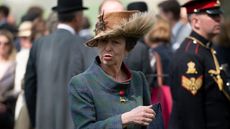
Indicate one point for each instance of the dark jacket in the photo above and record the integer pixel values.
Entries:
(165, 53)
(138, 60)
(197, 101)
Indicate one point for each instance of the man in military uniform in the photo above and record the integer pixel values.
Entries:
(197, 81)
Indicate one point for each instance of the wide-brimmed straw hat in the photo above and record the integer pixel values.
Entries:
(131, 24)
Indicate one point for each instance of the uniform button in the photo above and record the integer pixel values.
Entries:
(228, 84)
(214, 52)
(122, 93)
(194, 41)
(221, 68)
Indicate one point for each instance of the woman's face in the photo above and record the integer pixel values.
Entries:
(4, 46)
(112, 50)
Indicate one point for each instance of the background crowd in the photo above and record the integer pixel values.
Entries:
(37, 48)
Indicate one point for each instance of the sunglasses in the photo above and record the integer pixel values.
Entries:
(4, 43)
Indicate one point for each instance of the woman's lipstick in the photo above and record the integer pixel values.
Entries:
(107, 57)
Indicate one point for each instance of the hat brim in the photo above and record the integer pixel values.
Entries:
(107, 34)
(25, 34)
(61, 10)
(136, 27)
(214, 11)
(112, 33)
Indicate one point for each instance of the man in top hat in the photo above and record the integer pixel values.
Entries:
(53, 60)
(200, 100)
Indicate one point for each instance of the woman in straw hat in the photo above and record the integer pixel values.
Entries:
(108, 95)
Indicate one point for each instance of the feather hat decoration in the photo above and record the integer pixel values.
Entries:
(132, 24)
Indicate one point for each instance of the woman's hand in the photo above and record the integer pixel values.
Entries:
(142, 115)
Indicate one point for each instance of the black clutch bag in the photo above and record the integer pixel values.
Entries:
(157, 123)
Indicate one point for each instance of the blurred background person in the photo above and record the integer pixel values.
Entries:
(39, 29)
(138, 5)
(7, 75)
(86, 32)
(35, 15)
(4, 25)
(107, 6)
(33, 12)
(11, 20)
(53, 60)
(158, 40)
(170, 11)
(25, 37)
(52, 22)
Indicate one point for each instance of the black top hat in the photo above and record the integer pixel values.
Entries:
(65, 6)
(141, 6)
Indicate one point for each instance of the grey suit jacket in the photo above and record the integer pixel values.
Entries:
(53, 60)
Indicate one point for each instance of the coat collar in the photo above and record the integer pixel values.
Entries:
(66, 27)
(105, 80)
(200, 38)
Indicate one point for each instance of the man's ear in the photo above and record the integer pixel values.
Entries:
(195, 21)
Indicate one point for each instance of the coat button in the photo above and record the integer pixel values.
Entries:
(122, 93)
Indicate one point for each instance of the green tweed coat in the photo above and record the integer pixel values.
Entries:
(95, 100)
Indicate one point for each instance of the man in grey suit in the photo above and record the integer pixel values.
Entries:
(53, 60)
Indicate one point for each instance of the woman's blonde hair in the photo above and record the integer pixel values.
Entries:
(160, 32)
(10, 37)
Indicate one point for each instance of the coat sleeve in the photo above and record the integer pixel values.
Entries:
(31, 85)
(187, 87)
(83, 109)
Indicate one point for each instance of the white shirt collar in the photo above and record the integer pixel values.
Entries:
(66, 27)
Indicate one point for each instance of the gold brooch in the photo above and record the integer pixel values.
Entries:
(122, 96)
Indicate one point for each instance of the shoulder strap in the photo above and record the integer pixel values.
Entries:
(159, 70)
